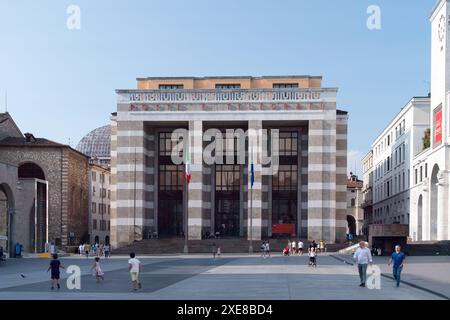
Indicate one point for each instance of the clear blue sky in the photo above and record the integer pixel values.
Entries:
(61, 83)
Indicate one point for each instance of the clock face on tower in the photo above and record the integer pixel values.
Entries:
(441, 28)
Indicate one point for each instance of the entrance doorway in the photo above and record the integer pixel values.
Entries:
(227, 200)
(170, 214)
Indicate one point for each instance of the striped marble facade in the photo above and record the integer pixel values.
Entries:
(322, 162)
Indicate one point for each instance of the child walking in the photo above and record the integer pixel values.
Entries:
(98, 273)
(55, 265)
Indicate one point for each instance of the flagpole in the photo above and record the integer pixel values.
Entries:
(250, 249)
(186, 216)
(186, 249)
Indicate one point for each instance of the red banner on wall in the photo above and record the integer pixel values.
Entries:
(283, 229)
(438, 127)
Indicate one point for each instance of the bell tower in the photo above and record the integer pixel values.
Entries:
(440, 73)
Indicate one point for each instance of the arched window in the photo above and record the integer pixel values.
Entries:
(31, 170)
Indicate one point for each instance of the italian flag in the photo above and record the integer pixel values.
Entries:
(187, 164)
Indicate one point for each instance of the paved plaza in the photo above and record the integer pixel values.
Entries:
(231, 277)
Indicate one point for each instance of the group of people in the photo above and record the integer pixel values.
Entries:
(265, 249)
(293, 248)
(134, 267)
(363, 258)
(99, 250)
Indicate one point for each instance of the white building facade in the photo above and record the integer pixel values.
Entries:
(430, 192)
(393, 152)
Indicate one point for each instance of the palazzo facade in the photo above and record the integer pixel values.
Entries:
(305, 196)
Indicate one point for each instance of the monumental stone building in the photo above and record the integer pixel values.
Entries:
(43, 189)
(299, 181)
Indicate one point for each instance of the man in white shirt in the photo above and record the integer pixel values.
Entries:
(300, 247)
(362, 257)
(134, 266)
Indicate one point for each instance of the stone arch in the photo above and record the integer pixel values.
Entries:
(351, 223)
(434, 199)
(419, 217)
(7, 207)
(31, 169)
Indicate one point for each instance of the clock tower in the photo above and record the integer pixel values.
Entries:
(440, 73)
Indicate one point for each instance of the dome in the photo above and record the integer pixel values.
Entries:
(97, 143)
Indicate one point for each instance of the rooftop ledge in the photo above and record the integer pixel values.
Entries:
(227, 95)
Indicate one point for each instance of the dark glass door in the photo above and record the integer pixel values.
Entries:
(227, 214)
(170, 214)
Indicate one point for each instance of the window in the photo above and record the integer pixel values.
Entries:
(94, 224)
(227, 177)
(93, 191)
(288, 143)
(94, 176)
(102, 178)
(109, 194)
(389, 140)
(352, 202)
(166, 145)
(415, 176)
(426, 170)
(285, 85)
(171, 177)
(109, 225)
(170, 86)
(421, 174)
(109, 209)
(228, 86)
(285, 179)
(94, 207)
(403, 181)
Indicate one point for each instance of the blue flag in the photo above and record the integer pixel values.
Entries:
(252, 174)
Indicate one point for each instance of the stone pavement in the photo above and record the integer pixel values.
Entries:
(429, 272)
(232, 277)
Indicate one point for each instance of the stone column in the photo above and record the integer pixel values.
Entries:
(195, 188)
(442, 232)
(254, 203)
(322, 180)
(128, 218)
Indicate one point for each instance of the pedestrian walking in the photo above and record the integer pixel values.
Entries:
(55, 265)
(363, 257)
(107, 250)
(86, 250)
(214, 250)
(321, 246)
(267, 249)
(52, 249)
(300, 247)
(80, 249)
(398, 259)
(289, 247)
(135, 267)
(263, 249)
(294, 247)
(312, 253)
(219, 251)
(97, 270)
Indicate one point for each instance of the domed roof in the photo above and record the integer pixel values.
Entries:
(97, 143)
